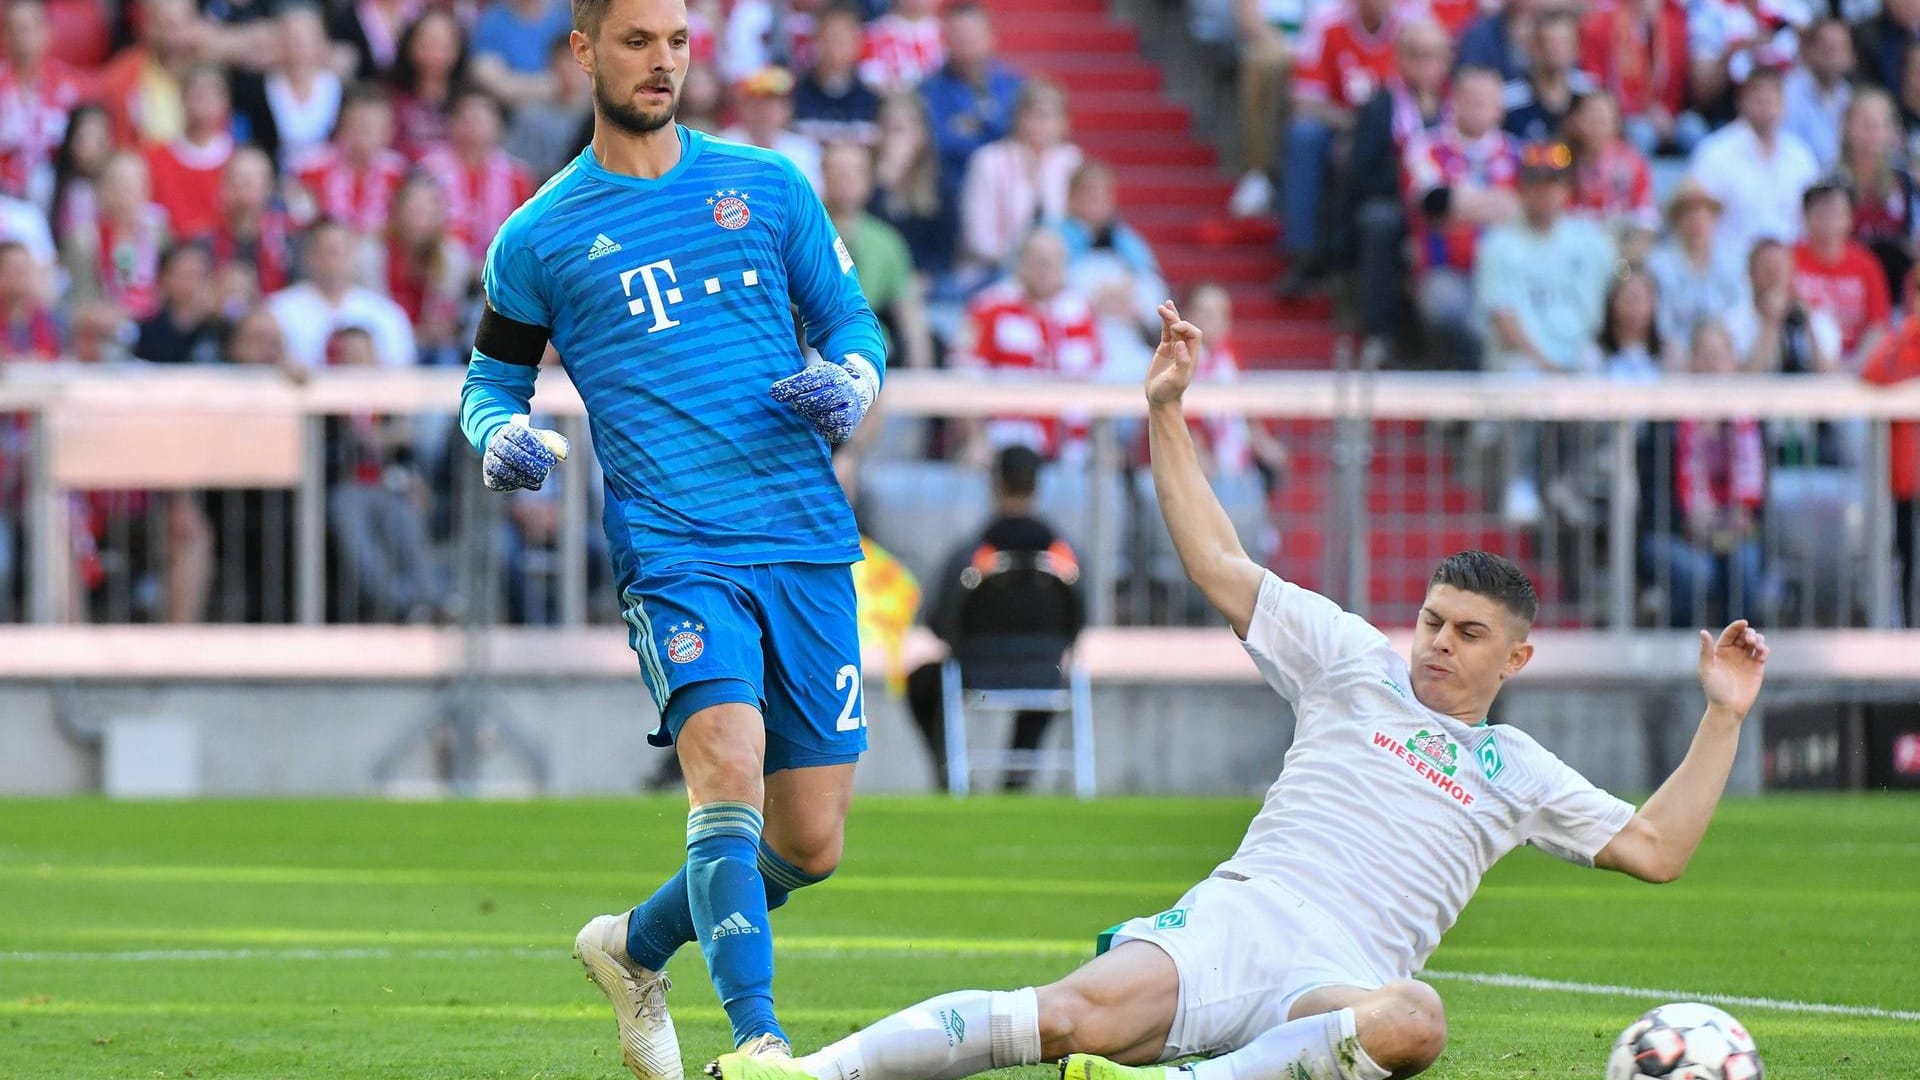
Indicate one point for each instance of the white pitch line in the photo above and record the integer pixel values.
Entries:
(1481, 978)
(1528, 982)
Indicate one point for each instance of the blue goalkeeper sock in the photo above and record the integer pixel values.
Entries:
(727, 898)
(657, 928)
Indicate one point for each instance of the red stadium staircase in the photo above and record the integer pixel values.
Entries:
(1171, 186)
(1174, 192)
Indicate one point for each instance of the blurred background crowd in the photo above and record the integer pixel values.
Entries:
(1627, 187)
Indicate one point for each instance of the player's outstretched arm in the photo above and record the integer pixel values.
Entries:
(1202, 533)
(494, 400)
(1657, 842)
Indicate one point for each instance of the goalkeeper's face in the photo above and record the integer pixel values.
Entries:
(637, 60)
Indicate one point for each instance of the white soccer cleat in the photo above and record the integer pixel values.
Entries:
(647, 1042)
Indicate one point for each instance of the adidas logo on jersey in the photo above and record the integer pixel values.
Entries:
(735, 923)
(602, 245)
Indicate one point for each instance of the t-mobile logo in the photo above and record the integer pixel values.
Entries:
(660, 290)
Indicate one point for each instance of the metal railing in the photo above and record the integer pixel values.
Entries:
(1387, 472)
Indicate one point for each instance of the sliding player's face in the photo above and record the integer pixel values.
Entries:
(1465, 646)
(638, 62)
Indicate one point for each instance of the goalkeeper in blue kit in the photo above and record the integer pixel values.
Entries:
(663, 267)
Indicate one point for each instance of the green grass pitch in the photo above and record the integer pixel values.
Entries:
(397, 940)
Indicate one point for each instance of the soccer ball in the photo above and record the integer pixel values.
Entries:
(1685, 1041)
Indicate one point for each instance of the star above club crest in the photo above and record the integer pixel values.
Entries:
(699, 626)
(709, 202)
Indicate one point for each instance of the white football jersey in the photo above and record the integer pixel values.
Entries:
(1387, 814)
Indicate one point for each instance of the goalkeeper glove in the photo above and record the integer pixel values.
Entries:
(519, 456)
(832, 397)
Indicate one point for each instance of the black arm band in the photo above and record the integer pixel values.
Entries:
(1437, 202)
(508, 341)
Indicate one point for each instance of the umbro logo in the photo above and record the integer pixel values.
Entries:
(602, 245)
(735, 923)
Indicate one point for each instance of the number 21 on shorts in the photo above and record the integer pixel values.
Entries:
(847, 681)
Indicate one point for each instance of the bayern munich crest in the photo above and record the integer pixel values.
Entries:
(685, 646)
(730, 209)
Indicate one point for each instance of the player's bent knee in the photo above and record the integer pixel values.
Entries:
(815, 856)
(1067, 1020)
(1404, 1027)
(721, 753)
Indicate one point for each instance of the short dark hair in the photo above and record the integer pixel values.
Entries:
(841, 9)
(1564, 16)
(1493, 576)
(1478, 71)
(365, 93)
(180, 250)
(1821, 191)
(1016, 471)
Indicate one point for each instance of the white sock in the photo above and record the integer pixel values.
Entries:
(1327, 1046)
(943, 1038)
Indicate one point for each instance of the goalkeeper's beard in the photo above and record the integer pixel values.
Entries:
(626, 117)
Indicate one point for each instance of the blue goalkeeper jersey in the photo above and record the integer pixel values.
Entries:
(671, 304)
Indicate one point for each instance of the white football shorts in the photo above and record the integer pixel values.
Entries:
(1246, 951)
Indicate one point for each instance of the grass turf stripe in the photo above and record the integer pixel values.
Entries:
(836, 946)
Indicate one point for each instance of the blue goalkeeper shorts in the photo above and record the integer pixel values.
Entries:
(781, 637)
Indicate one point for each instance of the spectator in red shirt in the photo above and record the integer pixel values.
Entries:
(1886, 200)
(1837, 275)
(419, 265)
(352, 180)
(1346, 53)
(116, 256)
(902, 47)
(29, 332)
(1033, 323)
(252, 246)
(141, 85)
(37, 93)
(483, 183)
(1461, 178)
(1611, 182)
(1709, 555)
(1896, 359)
(431, 66)
(1637, 49)
(185, 173)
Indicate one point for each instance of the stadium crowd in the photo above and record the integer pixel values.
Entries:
(1622, 186)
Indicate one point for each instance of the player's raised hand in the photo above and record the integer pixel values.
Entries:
(519, 457)
(1732, 668)
(1172, 369)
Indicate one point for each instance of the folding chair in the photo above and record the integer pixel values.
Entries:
(1012, 652)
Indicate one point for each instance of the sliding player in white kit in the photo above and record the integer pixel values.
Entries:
(1295, 959)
